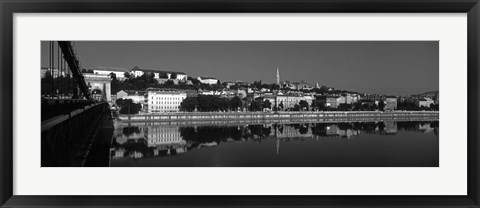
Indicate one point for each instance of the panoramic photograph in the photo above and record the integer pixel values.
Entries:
(239, 103)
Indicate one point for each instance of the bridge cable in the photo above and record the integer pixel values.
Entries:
(51, 69)
(62, 73)
(58, 71)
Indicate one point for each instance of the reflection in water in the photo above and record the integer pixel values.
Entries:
(206, 142)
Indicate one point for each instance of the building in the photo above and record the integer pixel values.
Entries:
(229, 84)
(304, 86)
(53, 71)
(99, 86)
(352, 98)
(136, 98)
(121, 94)
(159, 74)
(424, 102)
(207, 80)
(341, 100)
(118, 74)
(335, 101)
(288, 101)
(164, 101)
(331, 102)
(390, 103)
(367, 102)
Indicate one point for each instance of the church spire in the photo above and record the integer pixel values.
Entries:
(278, 76)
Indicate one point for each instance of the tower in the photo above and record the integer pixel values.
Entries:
(278, 76)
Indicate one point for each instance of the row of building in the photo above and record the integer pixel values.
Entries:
(161, 76)
(170, 100)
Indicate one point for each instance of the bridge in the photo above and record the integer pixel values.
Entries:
(71, 114)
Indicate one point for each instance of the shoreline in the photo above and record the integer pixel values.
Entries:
(279, 116)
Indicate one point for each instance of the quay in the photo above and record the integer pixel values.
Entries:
(271, 116)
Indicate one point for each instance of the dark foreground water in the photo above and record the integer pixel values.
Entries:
(359, 144)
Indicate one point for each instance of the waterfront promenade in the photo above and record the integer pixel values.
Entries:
(293, 116)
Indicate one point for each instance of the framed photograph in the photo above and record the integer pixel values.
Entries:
(267, 103)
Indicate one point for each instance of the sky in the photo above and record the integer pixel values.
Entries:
(382, 67)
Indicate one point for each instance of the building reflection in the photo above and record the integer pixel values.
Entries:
(171, 140)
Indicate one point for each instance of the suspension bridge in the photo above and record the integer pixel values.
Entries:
(71, 116)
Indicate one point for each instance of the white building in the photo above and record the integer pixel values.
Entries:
(424, 102)
(121, 94)
(53, 71)
(289, 101)
(159, 74)
(118, 74)
(135, 98)
(161, 101)
(208, 80)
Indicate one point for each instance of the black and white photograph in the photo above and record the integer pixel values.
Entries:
(239, 103)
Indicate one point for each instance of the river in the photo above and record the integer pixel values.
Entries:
(309, 144)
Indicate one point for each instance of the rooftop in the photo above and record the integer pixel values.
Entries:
(166, 92)
(207, 77)
(136, 68)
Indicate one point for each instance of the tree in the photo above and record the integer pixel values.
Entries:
(303, 105)
(116, 86)
(194, 81)
(113, 75)
(366, 107)
(434, 107)
(128, 107)
(280, 106)
(209, 103)
(163, 75)
(256, 105)
(344, 107)
(47, 83)
(267, 104)
(357, 106)
(86, 71)
(296, 107)
(235, 103)
(257, 84)
(324, 88)
(189, 104)
(381, 105)
(130, 130)
(405, 105)
(127, 75)
(173, 76)
(169, 83)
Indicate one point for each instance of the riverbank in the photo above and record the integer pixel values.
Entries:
(270, 116)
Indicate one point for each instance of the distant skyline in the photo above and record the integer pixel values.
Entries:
(381, 67)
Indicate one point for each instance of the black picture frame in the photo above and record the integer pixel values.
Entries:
(10, 7)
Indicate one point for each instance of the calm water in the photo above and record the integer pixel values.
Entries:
(359, 144)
